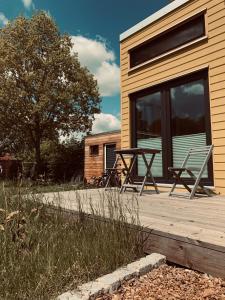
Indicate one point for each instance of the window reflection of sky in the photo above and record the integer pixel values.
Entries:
(149, 113)
(187, 101)
(187, 110)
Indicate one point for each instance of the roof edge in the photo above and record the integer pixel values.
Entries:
(152, 18)
(103, 133)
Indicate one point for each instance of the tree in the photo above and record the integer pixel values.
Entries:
(44, 91)
(63, 161)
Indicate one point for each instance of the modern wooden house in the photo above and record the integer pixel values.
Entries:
(99, 152)
(173, 86)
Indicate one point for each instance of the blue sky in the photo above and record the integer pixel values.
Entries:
(95, 26)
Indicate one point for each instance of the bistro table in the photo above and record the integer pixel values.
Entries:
(129, 181)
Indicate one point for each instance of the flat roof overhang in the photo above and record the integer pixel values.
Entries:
(102, 133)
(152, 18)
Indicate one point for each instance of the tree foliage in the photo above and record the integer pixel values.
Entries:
(44, 91)
(63, 161)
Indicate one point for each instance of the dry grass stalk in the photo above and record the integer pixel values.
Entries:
(45, 253)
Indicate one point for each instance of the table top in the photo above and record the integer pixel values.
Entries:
(138, 151)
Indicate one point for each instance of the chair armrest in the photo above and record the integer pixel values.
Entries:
(194, 169)
(177, 169)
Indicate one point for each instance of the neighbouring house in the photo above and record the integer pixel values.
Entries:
(10, 167)
(173, 86)
(100, 153)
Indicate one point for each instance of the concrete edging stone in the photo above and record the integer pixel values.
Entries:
(111, 282)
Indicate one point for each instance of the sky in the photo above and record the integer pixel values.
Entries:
(94, 26)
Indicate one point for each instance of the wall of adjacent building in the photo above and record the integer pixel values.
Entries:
(209, 53)
(94, 164)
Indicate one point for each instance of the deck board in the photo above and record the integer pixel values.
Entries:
(188, 232)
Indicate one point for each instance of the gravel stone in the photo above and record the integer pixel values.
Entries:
(170, 283)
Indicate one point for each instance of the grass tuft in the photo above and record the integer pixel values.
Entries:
(45, 252)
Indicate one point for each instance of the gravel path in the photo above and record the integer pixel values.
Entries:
(171, 283)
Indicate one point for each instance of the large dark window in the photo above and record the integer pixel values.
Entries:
(173, 118)
(148, 116)
(110, 155)
(188, 121)
(174, 38)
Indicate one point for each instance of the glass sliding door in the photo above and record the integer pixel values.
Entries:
(173, 117)
(148, 134)
(188, 113)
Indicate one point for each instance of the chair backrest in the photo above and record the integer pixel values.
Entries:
(204, 152)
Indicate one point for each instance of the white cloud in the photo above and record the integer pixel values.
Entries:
(108, 79)
(102, 123)
(196, 89)
(27, 3)
(3, 19)
(95, 55)
(105, 122)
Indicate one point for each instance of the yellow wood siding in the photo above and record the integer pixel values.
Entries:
(208, 53)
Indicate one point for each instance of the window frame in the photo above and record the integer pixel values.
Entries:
(166, 125)
(105, 155)
(92, 153)
(174, 49)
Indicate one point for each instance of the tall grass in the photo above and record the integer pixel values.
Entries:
(43, 186)
(45, 251)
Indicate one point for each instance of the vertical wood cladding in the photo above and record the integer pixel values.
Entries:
(94, 164)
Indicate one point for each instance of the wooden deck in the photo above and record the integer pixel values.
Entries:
(189, 232)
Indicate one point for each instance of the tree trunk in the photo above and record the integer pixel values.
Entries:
(38, 157)
(37, 144)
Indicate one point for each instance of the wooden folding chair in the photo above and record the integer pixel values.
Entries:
(205, 152)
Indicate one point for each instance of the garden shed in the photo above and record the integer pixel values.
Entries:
(99, 152)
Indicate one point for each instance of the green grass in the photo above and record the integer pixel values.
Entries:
(45, 253)
(37, 187)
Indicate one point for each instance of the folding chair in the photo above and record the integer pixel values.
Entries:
(205, 152)
(113, 175)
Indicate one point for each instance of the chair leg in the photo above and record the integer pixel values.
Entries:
(107, 181)
(198, 184)
(200, 173)
(177, 178)
(173, 188)
(195, 187)
(192, 194)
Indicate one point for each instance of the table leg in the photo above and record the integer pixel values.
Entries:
(148, 173)
(128, 170)
(130, 178)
